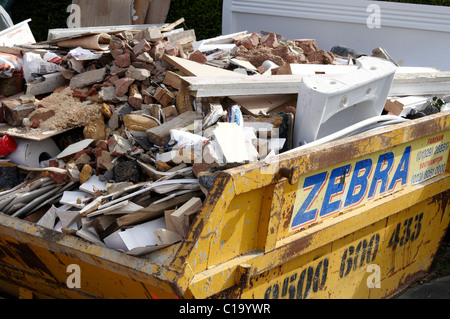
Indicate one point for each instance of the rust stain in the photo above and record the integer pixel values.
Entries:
(407, 282)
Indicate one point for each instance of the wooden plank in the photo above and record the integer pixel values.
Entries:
(178, 216)
(209, 86)
(172, 79)
(154, 211)
(169, 27)
(157, 11)
(140, 11)
(193, 68)
(105, 12)
(408, 84)
(203, 85)
(160, 135)
(182, 37)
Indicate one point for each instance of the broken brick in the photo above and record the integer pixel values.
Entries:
(270, 40)
(320, 57)
(104, 161)
(58, 178)
(122, 86)
(118, 146)
(15, 111)
(157, 51)
(35, 124)
(251, 42)
(123, 60)
(152, 34)
(87, 151)
(136, 101)
(142, 47)
(199, 57)
(137, 74)
(307, 45)
(172, 48)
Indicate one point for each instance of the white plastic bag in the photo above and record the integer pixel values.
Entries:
(52, 58)
(188, 141)
(9, 64)
(34, 66)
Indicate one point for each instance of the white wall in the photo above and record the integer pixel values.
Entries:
(417, 34)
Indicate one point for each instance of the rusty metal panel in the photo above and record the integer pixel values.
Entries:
(373, 262)
(38, 259)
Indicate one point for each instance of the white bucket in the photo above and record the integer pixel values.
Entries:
(17, 34)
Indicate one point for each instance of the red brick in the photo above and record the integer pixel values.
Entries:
(197, 56)
(123, 60)
(142, 47)
(122, 86)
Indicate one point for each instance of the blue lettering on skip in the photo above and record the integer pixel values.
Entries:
(359, 184)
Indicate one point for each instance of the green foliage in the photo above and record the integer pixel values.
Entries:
(44, 15)
(204, 16)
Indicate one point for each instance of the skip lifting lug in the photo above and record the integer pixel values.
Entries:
(292, 174)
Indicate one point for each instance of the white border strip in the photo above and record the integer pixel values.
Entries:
(403, 15)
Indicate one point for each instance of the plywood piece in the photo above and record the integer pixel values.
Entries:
(169, 223)
(178, 216)
(105, 12)
(166, 237)
(157, 11)
(140, 11)
(172, 79)
(193, 68)
(153, 211)
(204, 85)
(182, 37)
(160, 135)
(22, 132)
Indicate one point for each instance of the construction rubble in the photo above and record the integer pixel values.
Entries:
(117, 137)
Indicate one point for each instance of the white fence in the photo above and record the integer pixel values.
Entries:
(414, 35)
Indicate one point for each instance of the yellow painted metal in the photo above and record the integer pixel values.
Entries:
(265, 232)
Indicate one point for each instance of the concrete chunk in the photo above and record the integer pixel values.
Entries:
(88, 78)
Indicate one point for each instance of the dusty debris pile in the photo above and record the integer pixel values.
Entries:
(121, 145)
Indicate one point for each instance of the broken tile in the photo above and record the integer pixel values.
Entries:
(49, 218)
(75, 198)
(74, 148)
(104, 161)
(118, 146)
(93, 184)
